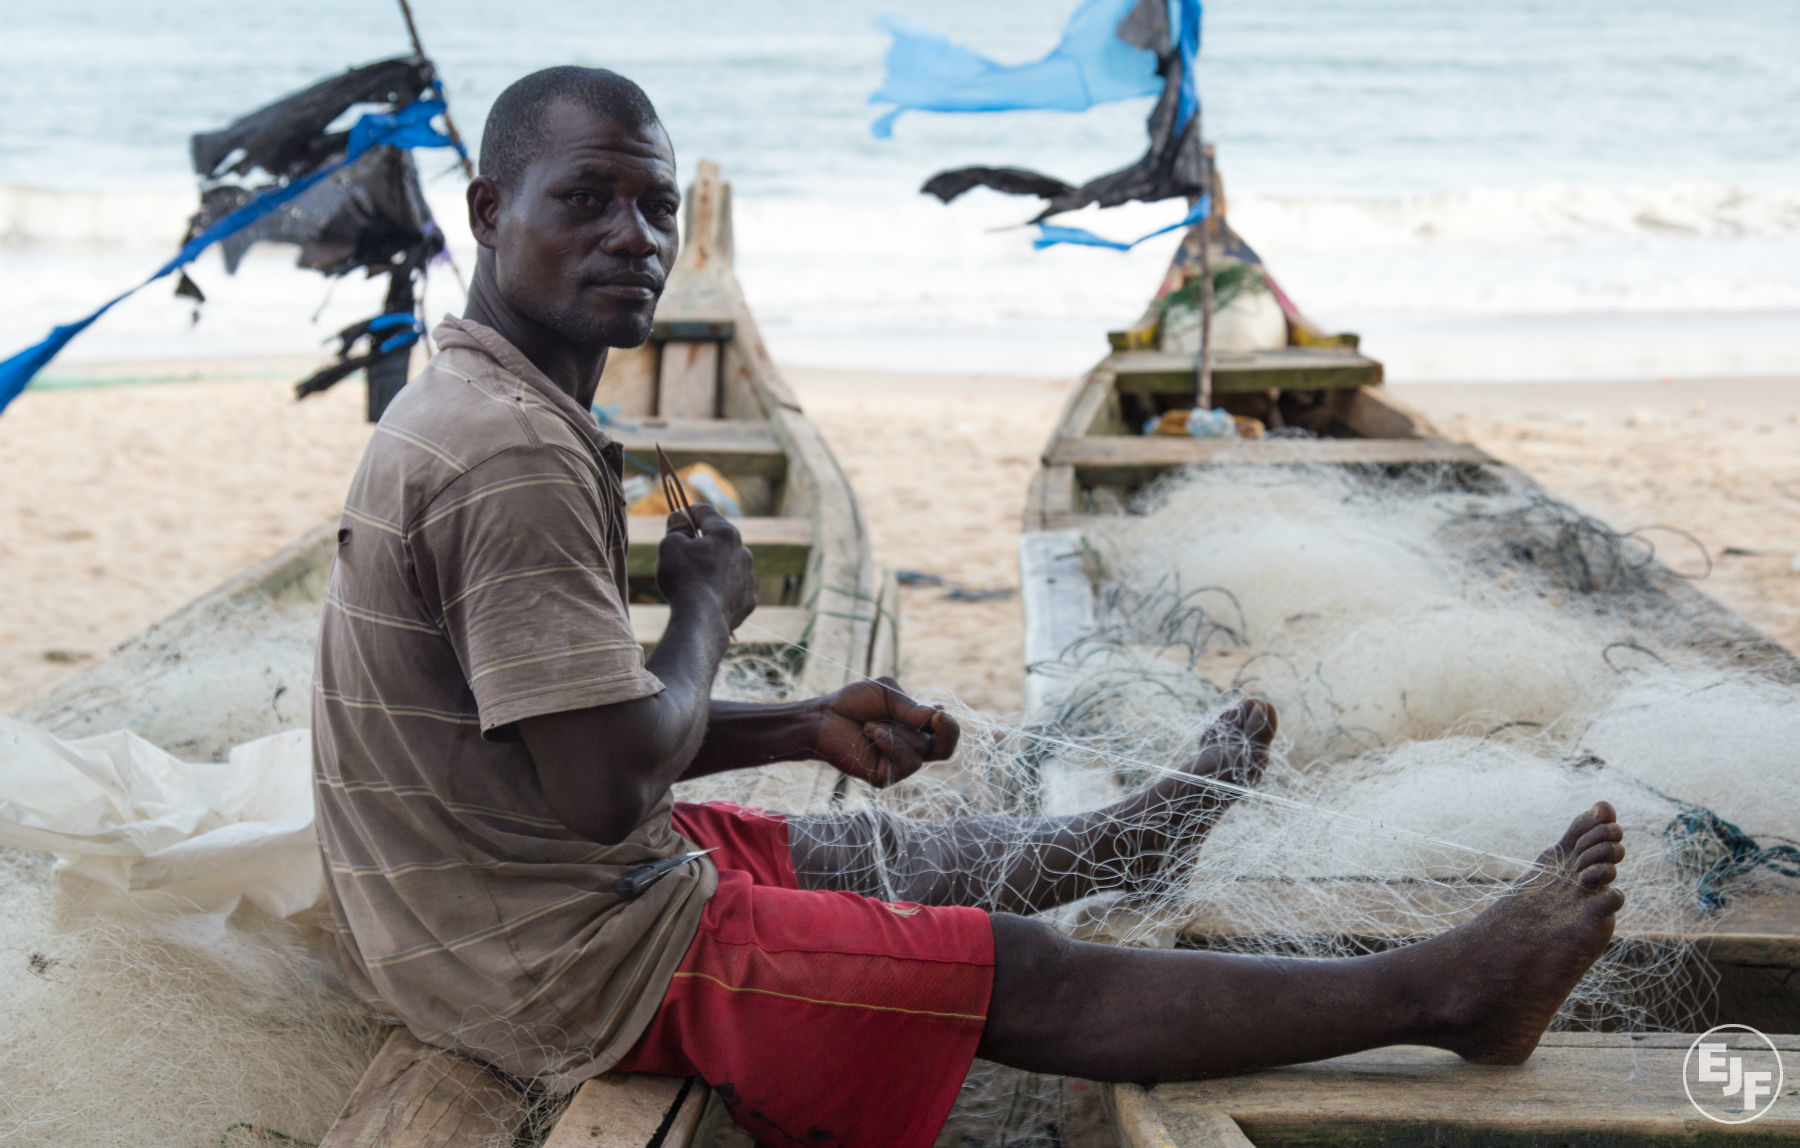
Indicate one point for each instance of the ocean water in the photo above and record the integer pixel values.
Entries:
(1535, 190)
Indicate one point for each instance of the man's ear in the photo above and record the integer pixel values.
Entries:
(484, 210)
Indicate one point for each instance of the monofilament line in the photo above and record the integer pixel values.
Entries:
(1157, 769)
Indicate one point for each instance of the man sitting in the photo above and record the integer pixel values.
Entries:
(494, 756)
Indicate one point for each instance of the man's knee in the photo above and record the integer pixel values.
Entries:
(1038, 989)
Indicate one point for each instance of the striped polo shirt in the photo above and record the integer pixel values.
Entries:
(479, 580)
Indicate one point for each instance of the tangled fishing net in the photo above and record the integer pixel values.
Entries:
(1459, 668)
(137, 1024)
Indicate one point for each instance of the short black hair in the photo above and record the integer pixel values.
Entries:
(514, 129)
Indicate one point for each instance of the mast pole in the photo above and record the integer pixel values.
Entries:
(1203, 366)
(412, 29)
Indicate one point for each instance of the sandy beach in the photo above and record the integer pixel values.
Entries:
(119, 503)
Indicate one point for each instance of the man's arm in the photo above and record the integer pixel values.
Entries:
(869, 729)
(604, 768)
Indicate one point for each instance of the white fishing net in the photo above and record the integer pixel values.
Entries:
(1459, 670)
(138, 1023)
(1461, 665)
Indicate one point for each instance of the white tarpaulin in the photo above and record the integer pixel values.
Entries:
(117, 810)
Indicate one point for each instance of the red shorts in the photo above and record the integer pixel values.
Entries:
(824, 1020)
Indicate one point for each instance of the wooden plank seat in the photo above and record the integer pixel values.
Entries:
(416, 1096)
(1287, 369)
(779, 545)
(1612, 1090)
(1135, 459)
(716, 329)
(730, 446)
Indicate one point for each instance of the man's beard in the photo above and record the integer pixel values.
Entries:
(583, 328)
(621, 330)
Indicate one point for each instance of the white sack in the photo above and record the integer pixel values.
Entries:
(117, 810)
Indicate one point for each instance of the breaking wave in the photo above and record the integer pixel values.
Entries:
(1504, 218)
(1484, 218)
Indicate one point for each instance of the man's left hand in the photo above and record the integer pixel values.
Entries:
(873, 731)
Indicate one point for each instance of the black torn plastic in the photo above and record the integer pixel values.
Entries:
(1175, 164)
(371, 215)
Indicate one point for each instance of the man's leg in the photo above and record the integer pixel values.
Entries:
(1021, 865)
(1485, 990)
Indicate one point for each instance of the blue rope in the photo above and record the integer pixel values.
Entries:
(408, 128)
(411, 328)
(612, 415)
(1712, 851)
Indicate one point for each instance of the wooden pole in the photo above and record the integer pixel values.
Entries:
(412, 29)
(1203, 367)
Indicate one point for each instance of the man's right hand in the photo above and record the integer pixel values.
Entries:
(714, 569)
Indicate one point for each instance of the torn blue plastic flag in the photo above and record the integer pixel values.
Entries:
(1089, 65)
(1050, 234)
(408, 128)
(1187, 43)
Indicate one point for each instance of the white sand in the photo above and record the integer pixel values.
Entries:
(1720, 460)
(118, 504)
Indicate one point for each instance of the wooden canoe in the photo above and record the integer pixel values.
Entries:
(1098, 457)
(237, 663)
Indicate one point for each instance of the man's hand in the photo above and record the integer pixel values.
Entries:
(873, 731)
(714, 569)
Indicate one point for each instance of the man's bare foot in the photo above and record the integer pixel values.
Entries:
(1502, 976)
(1166, 822)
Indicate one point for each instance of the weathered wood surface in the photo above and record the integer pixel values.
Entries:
(1375, 413)
(1288, 369)
(884, 650)
(416, 1096)
(1057, 596)
(628, 385)
(1133, 454)
(1137, 1117)
(688, 383)
(1053, 494)
(730, 446)
(631, 1111)
(841, 580)
(780, 545)
(1586, 1090)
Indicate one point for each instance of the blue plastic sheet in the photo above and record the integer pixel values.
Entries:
(1187, 42)
(1088, 66)
(408, 128)
(1050, 234)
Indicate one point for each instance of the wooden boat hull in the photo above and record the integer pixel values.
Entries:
(1097, 459)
